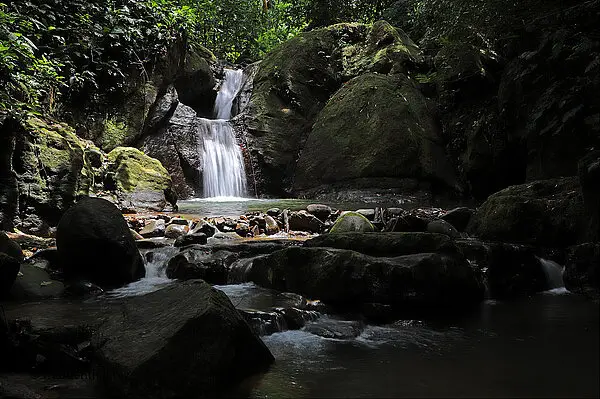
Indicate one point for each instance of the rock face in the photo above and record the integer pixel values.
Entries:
(546, 213)
(589, 178)
(176, 145)
(186, 340)
(414, 284)
(375, 127)
(351, 222)
(94, 242)
(295, 81)
(582, 270)
(142, 181)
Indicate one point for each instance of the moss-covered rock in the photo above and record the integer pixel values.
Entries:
(375, 127)
(141, 180)
(295, 81)
(545, 213)
(351, 222)
(53, 170)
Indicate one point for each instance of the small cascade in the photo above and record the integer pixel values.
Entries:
(156, 264)
(223, 162)
(553, 272)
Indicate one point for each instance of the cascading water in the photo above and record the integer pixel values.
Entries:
(554, 276)
(223, 163)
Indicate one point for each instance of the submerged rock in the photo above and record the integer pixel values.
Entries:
(94, 243)
(413, 284)
(186, 340)
(351, 222)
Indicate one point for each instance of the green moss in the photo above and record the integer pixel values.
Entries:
(114, 133)
(134, 170)
(351, 221)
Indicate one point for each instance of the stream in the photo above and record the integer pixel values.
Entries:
(542, 346)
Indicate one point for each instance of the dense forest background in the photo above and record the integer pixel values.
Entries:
(60, 54)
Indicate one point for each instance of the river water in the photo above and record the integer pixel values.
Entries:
(544, 346)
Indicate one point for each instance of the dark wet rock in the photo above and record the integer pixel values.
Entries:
(368, 213)
(192, 263)
(378, 313)
(351, 222)
(94, 243)
(148, 350)
(46, 259)
(319, 210)
(9, 268)
(31, 242)
(81, 289)
(195, 82)
(304, 221)
(296, 318)
(385, 244)
(190, 239)
(440, 226)
(414, 284)
(335, 329)
(153, 228)
(510, 270)
(10, 247)
(459, 217)
(589, 178)
(264, 323)
(582, 270)
(176, 230)
(175, 145)
(544, 213)
(136, 236)
(407, 223)
(34, 283)
(205, 228)
(271, 226)
(251, 248)
(28, 386)
(151, 243)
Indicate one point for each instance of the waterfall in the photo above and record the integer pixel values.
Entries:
(223, 162)
(553, 272)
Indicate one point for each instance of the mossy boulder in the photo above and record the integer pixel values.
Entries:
(351, 222)
(195, 81)
(545, 213)
(52, 170)
(295, 81)
(142, 182)
(376, 127)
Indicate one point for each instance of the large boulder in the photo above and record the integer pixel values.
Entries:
(295, 81)
(510, 270)
(186, 340)
(351, 222)
(385, 244)
(94, 242)
(414, 284)
(142, 181)
(376, 128)
(545, 213)
(195, 82)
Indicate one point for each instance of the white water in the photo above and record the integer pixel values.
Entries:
(223, 163)
(554, 276)
(155, 275)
